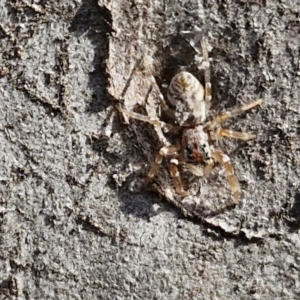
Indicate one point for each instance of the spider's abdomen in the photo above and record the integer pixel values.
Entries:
(186, 97)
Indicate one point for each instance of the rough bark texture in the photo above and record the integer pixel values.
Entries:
(70, 225)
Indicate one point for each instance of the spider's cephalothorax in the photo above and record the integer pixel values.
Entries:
(194, 142)
(187, 105)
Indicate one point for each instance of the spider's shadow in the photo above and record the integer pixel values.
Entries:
(95, 22)
(294, 212)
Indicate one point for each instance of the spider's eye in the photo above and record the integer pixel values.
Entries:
(206, 150)
(189, 148)
(189, 151)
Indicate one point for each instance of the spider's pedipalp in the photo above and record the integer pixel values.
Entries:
(195, 170)
(209, 166)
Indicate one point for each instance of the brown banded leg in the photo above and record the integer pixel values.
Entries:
(224, 160)
(164, 151)
(180, 160)
(173, 168)
(206, 66)
(223, 117)
(174, 172)
(221, 133)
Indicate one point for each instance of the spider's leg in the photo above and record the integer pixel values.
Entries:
(223, 117)
(141, 117)
(162, 103)
(221, 133)
(206, 66)
(176, 177)
(195, 170)
(224, 160)
(164, 151)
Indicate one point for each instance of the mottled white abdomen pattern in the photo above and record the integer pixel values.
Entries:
(186, 97)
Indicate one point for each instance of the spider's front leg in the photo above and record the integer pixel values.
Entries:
(141, 117)
(173, 168)
(174, 172)
(159, 124)
(164, 151)
(224, 160)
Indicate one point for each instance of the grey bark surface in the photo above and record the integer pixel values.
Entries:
(71, 226)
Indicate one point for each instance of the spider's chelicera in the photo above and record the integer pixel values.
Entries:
(187, 105)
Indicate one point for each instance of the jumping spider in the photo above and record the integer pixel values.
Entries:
(187, 105)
